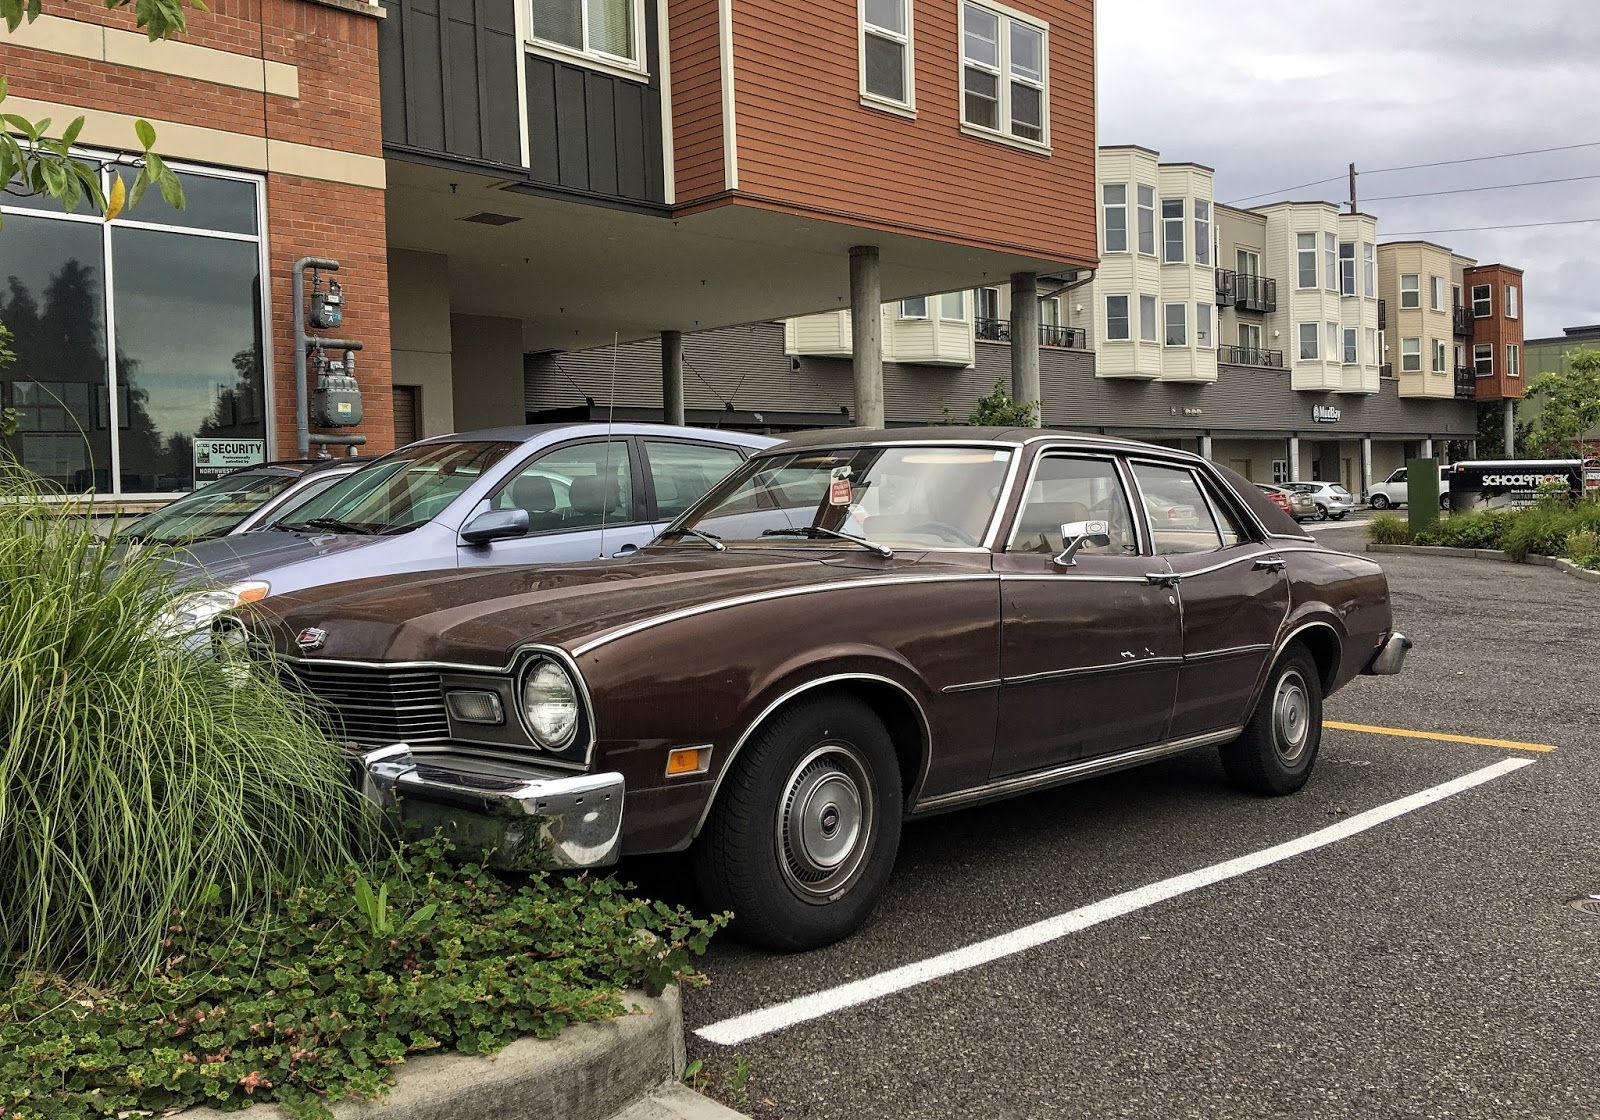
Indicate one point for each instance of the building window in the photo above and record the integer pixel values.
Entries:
(1455, 295)
(886, 67)
(1483, 359)
(1411, 355)
(1350, 355)
(953, 305)
(1330, 262)
(1172, 230)
(1114, 197)
(1333, 342)
(1438, 293)
(1149, 327)
(1372, 347)
(1347, 268)
(1513, 360)
(1249, 336)
(1309, 351)
(1117, 318)
(914, 308)
(1482, 301)
(1513, 302)
(1147, 220)
(1177, 324)
(988, 303)
(1202, 326)
(1410, 291)
(128, 391)
(605, 29)
(1307, 251)
(1280, 471)
(1050, 312)
(1441, 356)
(1249, 262)
(1003, 74)
(1369, 268)
(1202, 231)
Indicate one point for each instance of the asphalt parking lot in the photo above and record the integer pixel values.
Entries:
(1421, 961)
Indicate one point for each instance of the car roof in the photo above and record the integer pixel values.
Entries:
(297, 466)
(522, 433)
(959, 433)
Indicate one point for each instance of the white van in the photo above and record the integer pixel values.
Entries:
(1392, 490)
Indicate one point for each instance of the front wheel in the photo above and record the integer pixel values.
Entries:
(1444, 501)
(1380, 502)
(803, 836)
(1278, 748)
(1322, 512)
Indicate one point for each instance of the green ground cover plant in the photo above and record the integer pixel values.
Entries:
(1386, 528)
(1548, 528)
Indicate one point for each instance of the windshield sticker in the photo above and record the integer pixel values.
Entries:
(839, 491)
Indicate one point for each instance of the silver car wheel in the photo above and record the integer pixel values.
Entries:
(826, 821)
(1291, 716)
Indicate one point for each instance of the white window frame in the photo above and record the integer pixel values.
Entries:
(1411, 351)
(1106, 207)
(961, 304)
(592, 58)
(1182, 322)
(1330, 261)
(1481, 353)
(1486, 300)
(1441, 356)
(1004, 76)
(1513, 360)
(986, 299)
(1205, 327)
(1127, 335)
(1280, 471)
(1169, 222)
(1050, 312)
(1250, 336)
(1352, 352)
(907, 41)
(1414, 291)
(1334, 341)
(1347, 268)
(1301, 250)
(1249, 262)
(1314, 336)
(1513, 301)
(1437, 293)
(1149, 319)
(1369, 268)
(1202, 232)
(907, 308)
(1371, 340)
(1147, 210)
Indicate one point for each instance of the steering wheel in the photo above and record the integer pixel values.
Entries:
(944, 528)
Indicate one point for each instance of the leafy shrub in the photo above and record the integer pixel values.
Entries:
(1583, 548)
(1543, 528)
(1482, 529)
(998, 410)
(321, 1000)
(1386, 528)
(134, 779)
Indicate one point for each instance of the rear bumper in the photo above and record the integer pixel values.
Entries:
(1391, 656)
(535, 819)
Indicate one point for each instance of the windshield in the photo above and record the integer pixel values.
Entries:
(210, 511)
(400, 491)
(902, 496)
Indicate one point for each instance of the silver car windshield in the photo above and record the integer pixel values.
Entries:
(400, 491)
(899, 496)
(210, 511)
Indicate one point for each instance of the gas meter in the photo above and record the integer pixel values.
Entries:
(336, 400)
(327, 307)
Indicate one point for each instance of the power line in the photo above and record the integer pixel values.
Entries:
(1473, 190)
(1420, 166)
(1482, 229)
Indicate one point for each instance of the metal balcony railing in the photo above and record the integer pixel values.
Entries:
(1383, 314)
(1255, 293)
(992, 330)
(1250, 356)
(1466, 384)
(1227, 287)
(1063, 338)
(1463, 321)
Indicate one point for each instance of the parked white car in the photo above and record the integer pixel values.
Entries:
(1333, 501)
(1392, 490)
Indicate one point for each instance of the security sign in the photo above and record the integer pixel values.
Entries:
(214, 458)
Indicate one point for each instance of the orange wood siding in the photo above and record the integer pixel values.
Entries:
(807, 145)
(1497, 330)
(696, 100)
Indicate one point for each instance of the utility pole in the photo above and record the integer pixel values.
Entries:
(1353, 208)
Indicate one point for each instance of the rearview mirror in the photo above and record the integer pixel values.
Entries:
(496, 525)
(1079, 534)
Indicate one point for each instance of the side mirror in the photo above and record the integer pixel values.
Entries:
(496, 525)
(1077, 534)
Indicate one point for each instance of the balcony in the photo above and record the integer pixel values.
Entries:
(1463, 321)
(1250, 356)
(1383, 314)
(1466, 384)
(1227, 287)
(1255, 293)
(1062, 338)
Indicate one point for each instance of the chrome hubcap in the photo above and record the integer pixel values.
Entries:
(1291, 716)
(825, 821)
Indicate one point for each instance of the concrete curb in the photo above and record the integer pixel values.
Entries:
(587, 1072)
(1487, 554)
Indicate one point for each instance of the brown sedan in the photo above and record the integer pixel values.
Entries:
(851, 629)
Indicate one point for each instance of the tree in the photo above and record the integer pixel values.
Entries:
(1569, 406)
(38, 163)
(998, 410)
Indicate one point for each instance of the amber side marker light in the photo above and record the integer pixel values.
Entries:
(688, 760)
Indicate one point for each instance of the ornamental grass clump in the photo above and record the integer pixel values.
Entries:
(136, 778)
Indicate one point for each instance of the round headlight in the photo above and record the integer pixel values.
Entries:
(550, 704)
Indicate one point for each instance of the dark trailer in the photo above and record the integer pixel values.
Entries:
(1518, 483)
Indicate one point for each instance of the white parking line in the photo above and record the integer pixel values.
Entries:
(754, 1024)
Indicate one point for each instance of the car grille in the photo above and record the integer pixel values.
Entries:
(373, 706)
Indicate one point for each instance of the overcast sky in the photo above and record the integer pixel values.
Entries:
(1282, 93)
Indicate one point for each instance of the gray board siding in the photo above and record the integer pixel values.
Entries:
(746, 366)
(448, 78)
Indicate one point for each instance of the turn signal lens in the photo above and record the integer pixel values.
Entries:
(475, 707)
(688, 760)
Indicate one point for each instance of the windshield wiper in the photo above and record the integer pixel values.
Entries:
(701, 535)
(817, 533)
(333, 524)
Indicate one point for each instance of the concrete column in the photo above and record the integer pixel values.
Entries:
(1205, 446)
(1427, 449)
(1472, 449)
(672, 377)
(1511, 428)
(1025, 340)
(866, 334)
(1294, 458)
(1366, 465)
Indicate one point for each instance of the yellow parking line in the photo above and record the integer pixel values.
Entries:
(1440, 736)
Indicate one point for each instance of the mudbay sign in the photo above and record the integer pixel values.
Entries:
(1325, 414)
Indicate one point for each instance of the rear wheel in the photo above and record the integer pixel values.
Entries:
(1444, 501)
(1322, 512)
(1380, 502)
(1278, 748)
(1337, 516)
(805, 829)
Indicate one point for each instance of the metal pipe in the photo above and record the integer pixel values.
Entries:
(302, 407)
(350, 443)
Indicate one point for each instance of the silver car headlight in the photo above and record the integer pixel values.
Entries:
(549, 704)
(195, 610)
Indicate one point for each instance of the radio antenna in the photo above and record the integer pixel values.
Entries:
(605, 473)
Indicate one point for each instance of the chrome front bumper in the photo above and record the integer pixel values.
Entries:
(537, 819)
(1391, 655)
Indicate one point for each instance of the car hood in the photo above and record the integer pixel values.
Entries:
(480, 618)
(246, 555)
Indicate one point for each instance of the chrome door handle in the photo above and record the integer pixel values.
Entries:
(1163, 579)
(1271, 564)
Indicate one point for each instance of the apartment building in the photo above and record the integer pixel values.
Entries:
(1428, 328)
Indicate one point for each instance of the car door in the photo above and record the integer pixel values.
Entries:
(1233, 591)
(679, 472)
(584, 501)
(1090, 651)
